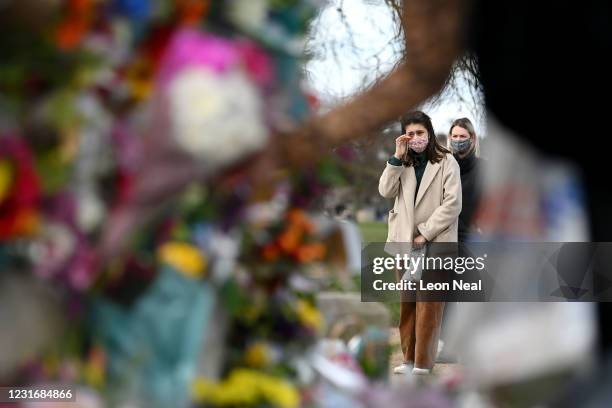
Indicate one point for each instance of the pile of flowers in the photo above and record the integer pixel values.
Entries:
(126, 137)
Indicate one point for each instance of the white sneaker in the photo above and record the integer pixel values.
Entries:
(440, 347)
(403, 368)
(420, 371)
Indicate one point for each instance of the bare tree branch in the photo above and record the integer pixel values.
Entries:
(433, 38)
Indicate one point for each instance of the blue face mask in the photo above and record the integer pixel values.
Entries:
(461, 146)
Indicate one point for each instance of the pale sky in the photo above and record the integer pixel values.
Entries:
(345, 63)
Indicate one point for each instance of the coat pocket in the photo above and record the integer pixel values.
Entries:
(449, 234)
(392, 226)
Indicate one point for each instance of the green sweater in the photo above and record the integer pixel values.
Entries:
(419, 167)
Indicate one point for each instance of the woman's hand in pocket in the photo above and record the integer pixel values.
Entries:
(419, 241)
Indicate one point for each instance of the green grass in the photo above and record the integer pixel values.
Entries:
(377, 232)
(373, 232)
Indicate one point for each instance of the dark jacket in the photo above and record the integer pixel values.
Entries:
(470, 167)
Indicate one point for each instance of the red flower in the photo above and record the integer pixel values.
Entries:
(257, 63)
(19, 204)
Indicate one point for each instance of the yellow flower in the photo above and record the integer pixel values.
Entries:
(94, 369)
(50, 365)
(185, 258)
(309, 315)
(139, 78)
(94, 375)
(6, 178)
(253, 311)
(257, 355)
(278, 392)
(244, 387)
(141, 89)
(232, 391)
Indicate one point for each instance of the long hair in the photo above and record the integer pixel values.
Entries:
(466, 124)
(435, 151)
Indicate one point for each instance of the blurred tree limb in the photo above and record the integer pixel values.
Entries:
(433, 36)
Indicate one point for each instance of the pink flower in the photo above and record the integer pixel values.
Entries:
(189, 47)
(257, 63)
(82, 271)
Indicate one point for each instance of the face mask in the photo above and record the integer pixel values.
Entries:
(418, 144)
(461, 146)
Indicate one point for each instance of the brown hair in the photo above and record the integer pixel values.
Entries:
(434, 150)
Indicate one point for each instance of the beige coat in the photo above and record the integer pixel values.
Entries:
(438, 203)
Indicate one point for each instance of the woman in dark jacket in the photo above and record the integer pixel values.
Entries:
(464, 145)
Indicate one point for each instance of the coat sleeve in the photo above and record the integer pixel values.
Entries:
(388, 185)
(449, 210)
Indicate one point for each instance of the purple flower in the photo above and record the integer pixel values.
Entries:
(82, 271)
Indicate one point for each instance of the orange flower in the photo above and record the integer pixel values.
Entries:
(26, 222)
(70, 32)
(310, 252)
(80, 6)
(296, 217)
(309, 226)
(191, 11)
(289, 240)
(271, 252)
(72, 29)
(299, 219)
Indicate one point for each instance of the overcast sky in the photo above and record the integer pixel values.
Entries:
(344, 62)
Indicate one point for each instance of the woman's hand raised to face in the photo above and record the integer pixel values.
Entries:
(401, 144)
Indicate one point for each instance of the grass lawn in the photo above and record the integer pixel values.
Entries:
(373, 232)
(377, 232)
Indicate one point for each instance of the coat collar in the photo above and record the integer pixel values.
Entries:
(468, 162)
(430, 172)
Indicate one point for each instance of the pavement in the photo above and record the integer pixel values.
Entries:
(440, 369)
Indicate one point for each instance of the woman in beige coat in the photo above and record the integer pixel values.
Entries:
(424, 180)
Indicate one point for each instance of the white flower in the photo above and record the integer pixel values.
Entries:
(53, 247)
(216, 117)
(90, 210)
